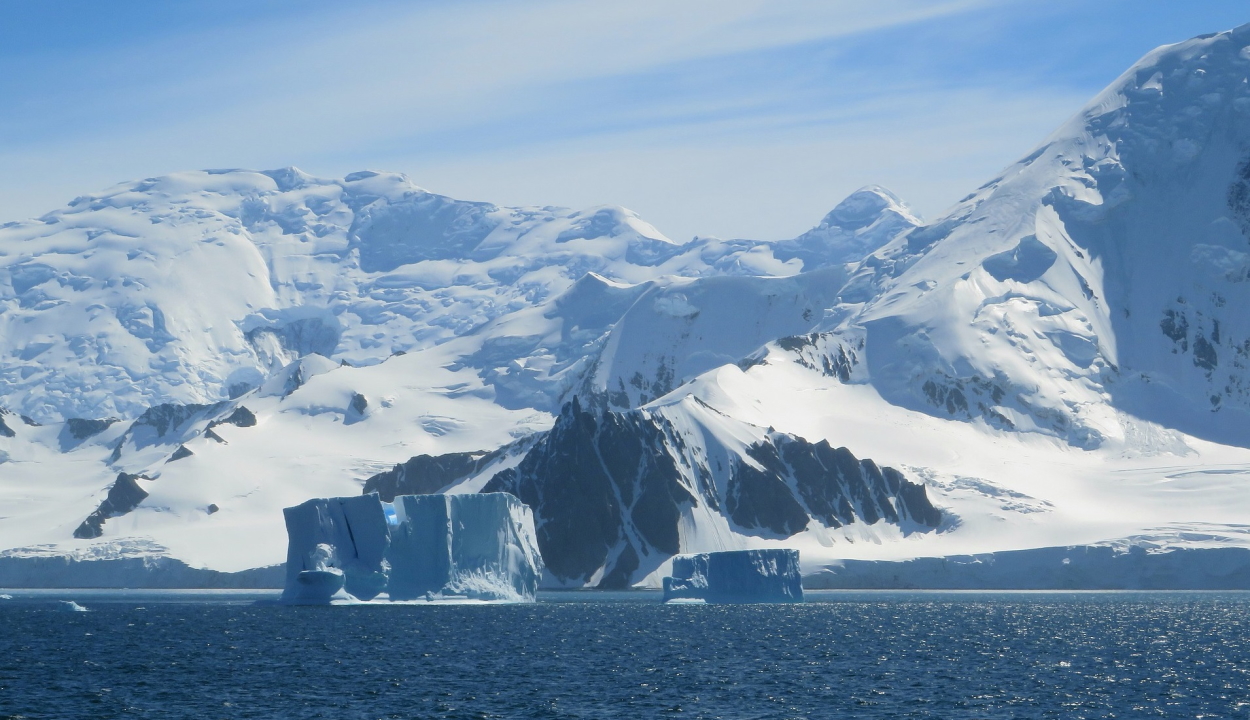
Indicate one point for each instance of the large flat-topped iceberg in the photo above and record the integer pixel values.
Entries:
(477, 546)
(433, 547)
(736, 576)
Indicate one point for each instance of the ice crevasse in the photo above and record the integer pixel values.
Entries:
(420, 547)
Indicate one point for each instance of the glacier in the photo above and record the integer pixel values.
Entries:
(431, 547)
(739, 576)
(1058, 361)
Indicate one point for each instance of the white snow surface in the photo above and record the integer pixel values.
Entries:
(192, 287)
(1061, 359)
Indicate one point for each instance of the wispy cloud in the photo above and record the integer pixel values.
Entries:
(733, 117)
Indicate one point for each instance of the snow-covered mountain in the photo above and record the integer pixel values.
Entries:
(1103, 273)
(1060, 360)
(195, 287)
(621, 493)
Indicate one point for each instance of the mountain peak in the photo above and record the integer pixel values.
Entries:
(290, 178)
(864, 207)
(866, 220)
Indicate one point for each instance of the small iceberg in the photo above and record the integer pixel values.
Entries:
(421, 548)
(736, 576)
(322, 582)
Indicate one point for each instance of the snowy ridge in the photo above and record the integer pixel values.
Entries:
(1100, 274)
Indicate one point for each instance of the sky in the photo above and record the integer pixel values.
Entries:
(734, 118)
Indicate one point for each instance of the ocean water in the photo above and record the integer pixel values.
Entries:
(625, 655)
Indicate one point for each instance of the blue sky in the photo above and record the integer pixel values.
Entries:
(739, 118)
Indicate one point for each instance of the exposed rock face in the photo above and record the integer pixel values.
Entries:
(610, 490)
(76, 430)
(164, 424)
(597, 482)
(425, 474)
(296, 374)
(241, 417)
(124, 496)
(162, 419)
(833, 487)
(81, 429)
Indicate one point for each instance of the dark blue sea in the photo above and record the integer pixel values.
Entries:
(624, 655)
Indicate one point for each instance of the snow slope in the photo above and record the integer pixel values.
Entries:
(1059, 361)
(1104, 273)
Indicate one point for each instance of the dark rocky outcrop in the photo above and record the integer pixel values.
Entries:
(167, 423)
(241, 417)
(798, 481)
(759, 498)
(609, 490)
(825, 353)
(839, 489)
(81, 428)
(76, 430)
(427, 474)
(164, 418)
(124, 496)
(600, 484)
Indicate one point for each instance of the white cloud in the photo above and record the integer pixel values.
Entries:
(738, 184)
(468, 98)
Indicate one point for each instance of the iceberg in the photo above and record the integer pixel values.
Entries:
(432, 547)
(736, 576)
(480, 546)
(347, 536)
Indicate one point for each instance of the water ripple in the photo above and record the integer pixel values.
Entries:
(863, 655)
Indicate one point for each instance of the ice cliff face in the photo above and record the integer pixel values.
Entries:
(348, 537)
(478, 547)
(740, 576)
